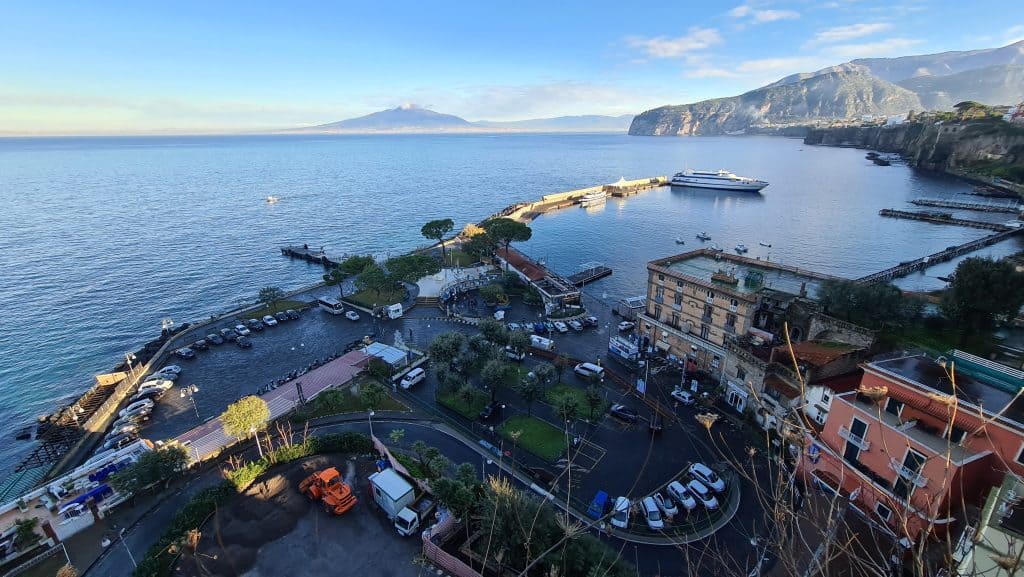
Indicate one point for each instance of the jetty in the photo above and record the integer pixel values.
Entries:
(1009, 207)
(591, 272)
(310, 255)
(949, 253)
(942, 218)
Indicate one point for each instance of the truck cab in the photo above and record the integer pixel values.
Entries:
(410, 519)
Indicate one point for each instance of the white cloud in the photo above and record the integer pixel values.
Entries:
(889, 47)
(849, 32)
(696, 38)
(747, 14)
(1014, 33)
(777, 65)
(711, 73)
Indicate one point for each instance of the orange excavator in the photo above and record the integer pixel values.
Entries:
(327, 486)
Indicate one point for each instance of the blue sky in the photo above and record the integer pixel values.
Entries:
(136, 67)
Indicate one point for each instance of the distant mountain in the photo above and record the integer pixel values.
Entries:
(397, 119)
(875, 86)
(582, 123)
(840, 93)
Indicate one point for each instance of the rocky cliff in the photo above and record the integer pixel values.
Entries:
(985, 147)
(842, 92)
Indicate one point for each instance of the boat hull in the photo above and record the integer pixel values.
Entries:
(739, 186)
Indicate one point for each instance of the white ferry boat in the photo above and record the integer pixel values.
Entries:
(592, 198)
(722, 179)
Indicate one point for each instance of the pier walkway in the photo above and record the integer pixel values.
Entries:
(591, 272)
(942, 218)
(312, 255)
(949, 253)
(1009, 207)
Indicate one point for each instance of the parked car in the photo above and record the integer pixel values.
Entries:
(185, 353)
(254, 324)
(589, 371)
(561, 327)
(620, 517)
(229, 334)
(681, 495)
(514, 354)
(214, 339)
(269, 320)
(705, 475)
(626, 326)
(684, 397)
(125, 428)
(136, 408)
(542, 343)
(153, 394)
(489, 410)
(652, 514)
(200, 345)
(118, 441)
(243, 342)
(620, 411)
(292, 313)
(130, 420)
(352, 315)
(575, 325)
(412, 377)
(668, 508)
(703, 494)
(281, 317)
(162, 377)
(171, 369)
(513, 326)
(550, 326)
(591, 321)
(242, 330)
(161, 384)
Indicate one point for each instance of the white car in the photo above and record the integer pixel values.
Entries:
(626, 326)
(703, 494)
(173, 369)
(162, 377)
(352, 315)
(575, 325)
(681, 495)
(242, 330)
(269, 320)
(136, 408)
(620, 517)
(652, 514)
(668, 508)
(162, 384)
(561, 327)
(684, 397)
(412, 377)
(706, 476)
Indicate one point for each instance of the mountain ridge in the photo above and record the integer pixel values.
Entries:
(408, 118)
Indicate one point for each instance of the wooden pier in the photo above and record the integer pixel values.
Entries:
(591, 273)
(905, 268)
(311, 255)
(1009, 208)
(942, 218)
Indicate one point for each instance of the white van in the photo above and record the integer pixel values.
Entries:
(620, 516)
(412, 377)
(394, 311)
(539, 342)
(589, 371)
(652, 514)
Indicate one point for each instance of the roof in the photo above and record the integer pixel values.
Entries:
(391, 483)
(817, 353)
(753, 274)
(386, 353)
(842, 383)
(785, 389)
(519, 261)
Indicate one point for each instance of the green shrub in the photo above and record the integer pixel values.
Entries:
(355, 443)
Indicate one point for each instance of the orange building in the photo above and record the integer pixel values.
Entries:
(913, 451)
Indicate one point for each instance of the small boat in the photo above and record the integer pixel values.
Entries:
(741, 248)
(703, 236)
(272, 199)
(592, 198)
(715, 247)
(680, 241)
(767, 244)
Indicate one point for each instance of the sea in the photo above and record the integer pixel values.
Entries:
(105, 238)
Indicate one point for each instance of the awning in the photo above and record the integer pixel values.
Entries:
(662, 346)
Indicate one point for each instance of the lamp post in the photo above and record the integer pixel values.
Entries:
(484, 461)
(259, 447)
(369, 417)
(190, 392)
(128, 358)
(125, 543)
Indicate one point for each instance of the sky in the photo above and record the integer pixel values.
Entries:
(157, 66)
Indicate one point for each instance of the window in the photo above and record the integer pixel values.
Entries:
(679, 299)
(711, 295)
(661, 277)
(730, 320)
(657, 312)
(893, 407)
(883, 511)
(825, 397)
(705, 331)
(679, 284)
(675, 320)
(820, 417)
(734, 302)
(715, 361)
(956, 434)
(659, 292)
(708, 310)
(1020, 456)
(740, 373)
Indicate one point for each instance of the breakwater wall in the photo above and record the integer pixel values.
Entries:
(527, 211)
(942, 218)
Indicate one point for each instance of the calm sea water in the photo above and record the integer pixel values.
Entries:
(103, 237)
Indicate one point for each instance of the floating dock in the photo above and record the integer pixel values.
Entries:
(310, 255)
(942, 218)
(1009, 207)
(591, 273)
(905, 268)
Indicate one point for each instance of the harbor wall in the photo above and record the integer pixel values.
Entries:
(527, 211)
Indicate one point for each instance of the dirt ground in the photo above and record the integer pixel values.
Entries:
(272, 530)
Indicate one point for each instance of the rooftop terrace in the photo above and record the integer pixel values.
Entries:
(752, 274)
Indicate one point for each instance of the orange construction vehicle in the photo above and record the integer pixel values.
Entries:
(327, 486)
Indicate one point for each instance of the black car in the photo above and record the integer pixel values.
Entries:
(185, 353)
(281, 317)
(254, 324)
(489, 410)
(292, 313)
(243, 342)
(152, 394)
(200, 345)
(228, 334)
(624, 413)
(214, 339)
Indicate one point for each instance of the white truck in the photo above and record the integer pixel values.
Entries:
(397, 498)
(394, 311)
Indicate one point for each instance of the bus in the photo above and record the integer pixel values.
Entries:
(331, 305)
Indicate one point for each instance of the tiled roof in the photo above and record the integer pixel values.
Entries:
(516, 260)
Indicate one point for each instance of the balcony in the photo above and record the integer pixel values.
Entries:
(910, 475)
(732, 308)
(731, 329)
(659, 299)
(860, 442)
(706, 318)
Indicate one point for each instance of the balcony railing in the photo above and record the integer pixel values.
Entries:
(706, 318)
(730, 329)
(860, 442)
(908, 474)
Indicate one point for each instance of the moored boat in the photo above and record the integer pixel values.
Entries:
(592, 198)
(721, 180)
(703, 235)
(741, 248)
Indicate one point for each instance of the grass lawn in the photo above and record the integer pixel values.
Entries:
(457, 403)
(368, 298)
(536, 436)
(581, 399)
(459, 258)
(279, 306)
(338, 401)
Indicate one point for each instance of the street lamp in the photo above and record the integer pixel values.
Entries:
(369, 417)
(190, 392)
(259, 447)
(125, 543)
(484, 461)
(128, 358)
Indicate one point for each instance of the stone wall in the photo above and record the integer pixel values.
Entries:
(825, 328)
